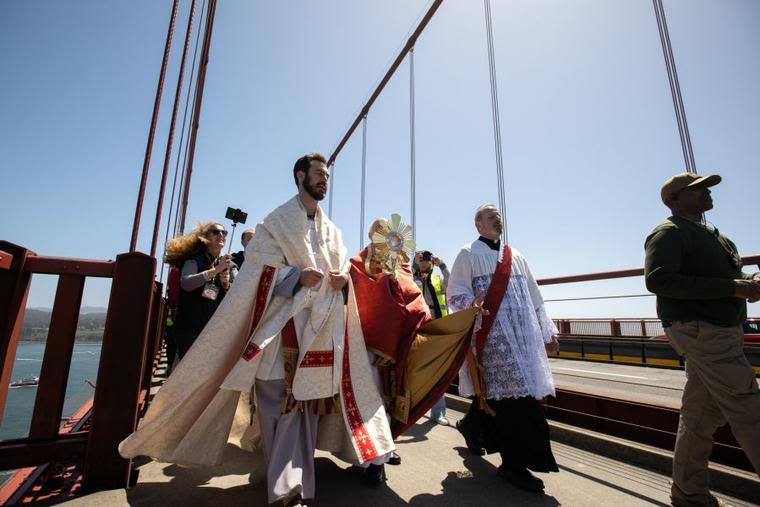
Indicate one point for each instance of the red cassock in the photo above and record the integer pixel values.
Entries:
(391, 310)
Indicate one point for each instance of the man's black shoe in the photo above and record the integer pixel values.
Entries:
(296, 501)
(472, 443)
(395, 459)
(522, 479)
(374, 475)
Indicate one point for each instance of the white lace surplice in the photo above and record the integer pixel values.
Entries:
(514, 357)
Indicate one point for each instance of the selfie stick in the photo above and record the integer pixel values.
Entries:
(237, 216)
(229, 245)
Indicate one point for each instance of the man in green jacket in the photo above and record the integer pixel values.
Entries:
(702, 297)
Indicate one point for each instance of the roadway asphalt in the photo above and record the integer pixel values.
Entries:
(656, 386)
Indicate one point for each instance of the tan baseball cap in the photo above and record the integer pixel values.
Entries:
(680, 181)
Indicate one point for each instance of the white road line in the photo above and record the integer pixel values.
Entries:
(600, 373)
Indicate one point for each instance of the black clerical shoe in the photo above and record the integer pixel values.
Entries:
(374, 475)
(521, 478)
(472, 443)
(296, 501)
(395, 459)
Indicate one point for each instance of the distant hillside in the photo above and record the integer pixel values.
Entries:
(92, 309)
(89, 328)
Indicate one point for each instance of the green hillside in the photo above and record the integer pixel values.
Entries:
(36, 325)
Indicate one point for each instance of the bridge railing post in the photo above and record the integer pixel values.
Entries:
(56, 363)
(643, 352)
(122, 360)
(154, 342)
(14, 288)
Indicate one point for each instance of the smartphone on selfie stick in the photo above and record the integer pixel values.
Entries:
(237, 216)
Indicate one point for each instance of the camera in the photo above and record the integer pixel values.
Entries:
(426, 256)
(237, 215)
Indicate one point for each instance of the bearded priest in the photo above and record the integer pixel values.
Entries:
(289, 331)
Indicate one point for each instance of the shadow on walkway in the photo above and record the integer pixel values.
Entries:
(206, 485)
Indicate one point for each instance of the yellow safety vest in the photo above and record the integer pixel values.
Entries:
(440, 294)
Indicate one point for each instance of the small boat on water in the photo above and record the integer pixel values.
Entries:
(25, 382)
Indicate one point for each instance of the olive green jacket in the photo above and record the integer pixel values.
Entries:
(691, 268)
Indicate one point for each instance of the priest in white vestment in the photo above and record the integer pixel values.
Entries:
(513, 361)
(289, 331)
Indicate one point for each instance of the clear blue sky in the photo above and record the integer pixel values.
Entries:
(588, 128)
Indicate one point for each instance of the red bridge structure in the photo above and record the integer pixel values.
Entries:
(65, 455)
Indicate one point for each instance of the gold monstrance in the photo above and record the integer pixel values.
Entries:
(391, 242)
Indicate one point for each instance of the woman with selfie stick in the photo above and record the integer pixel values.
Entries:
(206, 276)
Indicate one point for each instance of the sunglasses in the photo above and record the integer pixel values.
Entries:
(218, 232)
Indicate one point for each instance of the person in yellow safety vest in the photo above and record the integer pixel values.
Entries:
(433, 288)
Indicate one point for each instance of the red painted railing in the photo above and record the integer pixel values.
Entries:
(132, 330)
(621, 273)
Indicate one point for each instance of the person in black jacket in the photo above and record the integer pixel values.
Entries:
(239, 257)
(206, 275)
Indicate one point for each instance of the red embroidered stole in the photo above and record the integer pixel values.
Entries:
(262, 294)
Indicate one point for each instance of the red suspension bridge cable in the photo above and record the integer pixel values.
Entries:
(152, 131)
(172, 208)
(197, 108)
(392, 70)
(172, 125)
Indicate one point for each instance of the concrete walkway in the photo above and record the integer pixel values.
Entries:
(437, 470)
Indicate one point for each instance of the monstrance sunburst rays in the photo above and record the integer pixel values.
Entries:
(392, 240)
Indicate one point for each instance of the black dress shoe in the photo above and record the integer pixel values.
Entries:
(472, 443)
(374, 475)
(395, 459)
(296, 501)
(522, 478)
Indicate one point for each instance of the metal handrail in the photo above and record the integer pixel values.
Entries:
(131, 309)
(621, 273)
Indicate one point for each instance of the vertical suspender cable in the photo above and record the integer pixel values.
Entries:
(170, 139)
(364, 181)
(181, 188)
(197, 107)
(172, 208)
(412, 152)
(332, 188)
(675, 87)
(180, 196)
(496, 121)
(153, 123)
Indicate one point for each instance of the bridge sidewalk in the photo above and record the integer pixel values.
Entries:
(437, 470)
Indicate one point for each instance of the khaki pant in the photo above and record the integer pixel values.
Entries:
(720, 388)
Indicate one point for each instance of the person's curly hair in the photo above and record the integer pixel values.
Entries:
(179, 249)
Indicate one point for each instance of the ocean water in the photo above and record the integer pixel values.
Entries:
(20, 403)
